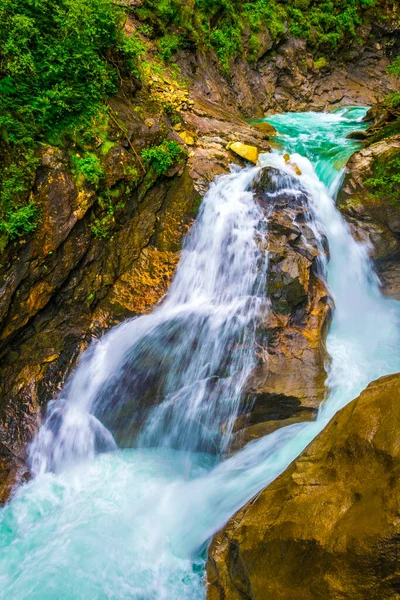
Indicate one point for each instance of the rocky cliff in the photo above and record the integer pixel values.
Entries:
(328, 527)
(370, 198)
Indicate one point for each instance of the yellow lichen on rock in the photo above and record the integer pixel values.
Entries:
(143, 287)
(247, 152)
(187, 137)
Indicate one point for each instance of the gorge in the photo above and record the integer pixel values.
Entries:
(215, 417)
(167, 502)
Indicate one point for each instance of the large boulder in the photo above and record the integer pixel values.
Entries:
(288, 383)
(329, 526)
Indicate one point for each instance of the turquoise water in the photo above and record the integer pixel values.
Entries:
(133, 524)
(326, 145)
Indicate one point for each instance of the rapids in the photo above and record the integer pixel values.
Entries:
(102, 522)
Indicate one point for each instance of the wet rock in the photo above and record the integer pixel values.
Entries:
(265, 128)
(389, 275)
(357, 135)
(328, 527)
(288, 384)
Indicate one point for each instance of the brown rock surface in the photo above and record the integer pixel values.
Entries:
(372, 218)
(285, 76)
(288, 384)
(328, 528)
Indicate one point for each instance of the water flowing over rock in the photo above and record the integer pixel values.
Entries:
(65, 286)
(328, 527)
(138, 518)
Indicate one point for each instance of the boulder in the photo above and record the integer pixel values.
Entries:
(245, 151)
(265, 128)
(328, 527)
(288, 382)
(358, 135)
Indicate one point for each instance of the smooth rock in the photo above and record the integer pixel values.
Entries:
(328, 528)
(249, 153)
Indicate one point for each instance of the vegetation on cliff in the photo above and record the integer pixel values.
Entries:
(384, 183)
(57, 64)
(225, 25)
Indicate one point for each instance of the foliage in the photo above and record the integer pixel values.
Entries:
(168, 45)
(87, 168)
(161, 158)
(21, 221)
(394, 67)
(385, 182)
(233, 28)
(57, 63)
(109, 203)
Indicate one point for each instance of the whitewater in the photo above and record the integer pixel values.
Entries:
(103, 520)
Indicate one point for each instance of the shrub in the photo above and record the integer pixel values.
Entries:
(385, 182)
(87, 168)
(168, 45)
(21, 221)
(161, 158)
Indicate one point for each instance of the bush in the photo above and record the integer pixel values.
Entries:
(168, 45)
(87, 168)
(21, 221)
(385, 182)
(161, 158)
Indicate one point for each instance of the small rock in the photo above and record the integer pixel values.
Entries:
(187, 137)
(265, 128)
(291, 164)
(249, 153)
(357, 135)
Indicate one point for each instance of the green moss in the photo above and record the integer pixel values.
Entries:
(320, 63)
(87, 168)
(161, 158)
(109, 203)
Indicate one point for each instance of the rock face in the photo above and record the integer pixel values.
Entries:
(329, 526)
(287, 386)
(372, 217)
(285, 77)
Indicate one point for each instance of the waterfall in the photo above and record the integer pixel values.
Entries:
(177, 373)
(133, 523)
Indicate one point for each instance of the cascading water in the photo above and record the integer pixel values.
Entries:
(133, 523)
(178, 372)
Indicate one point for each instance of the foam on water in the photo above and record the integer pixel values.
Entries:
(133, 523)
